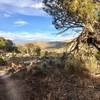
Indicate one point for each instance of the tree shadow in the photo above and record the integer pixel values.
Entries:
(64, 79)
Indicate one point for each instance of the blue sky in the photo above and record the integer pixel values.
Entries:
(25, 21)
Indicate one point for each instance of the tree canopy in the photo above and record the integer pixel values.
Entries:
(7, 45)
(73, 13)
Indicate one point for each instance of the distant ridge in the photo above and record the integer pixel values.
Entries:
(46, 45)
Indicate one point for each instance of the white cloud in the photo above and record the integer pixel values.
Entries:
(37, 5)
(6, 15)
(20, 3)
(20, 23)
(26, 37)
(25, 7)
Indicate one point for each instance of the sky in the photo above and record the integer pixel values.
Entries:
(25, 21)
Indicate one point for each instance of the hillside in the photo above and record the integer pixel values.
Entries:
(69, 75)
(45, 45)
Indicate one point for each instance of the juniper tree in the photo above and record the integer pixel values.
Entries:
(68, 14)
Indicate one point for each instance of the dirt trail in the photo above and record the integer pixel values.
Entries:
(10, 89)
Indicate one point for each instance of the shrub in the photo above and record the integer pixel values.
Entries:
(2, 62)
(7, 45)
(74, 64)
(97, 55)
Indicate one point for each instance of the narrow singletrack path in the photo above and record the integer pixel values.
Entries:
(10, 88)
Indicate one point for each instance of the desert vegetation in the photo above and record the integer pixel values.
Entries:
(70, 71)
(7, 45)
(47, 74)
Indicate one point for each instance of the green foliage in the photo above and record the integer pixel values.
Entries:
(72, 13)
(3, 43)
(97, 55)
(84, 9)
(2, 61)
(40, 69)
(7, 45)
(38, 51)
(74, 64)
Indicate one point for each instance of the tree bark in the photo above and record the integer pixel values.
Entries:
(89, 36)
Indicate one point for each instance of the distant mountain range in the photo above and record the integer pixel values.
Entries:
(46, 45)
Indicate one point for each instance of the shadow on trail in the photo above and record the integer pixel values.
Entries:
(63, 80)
